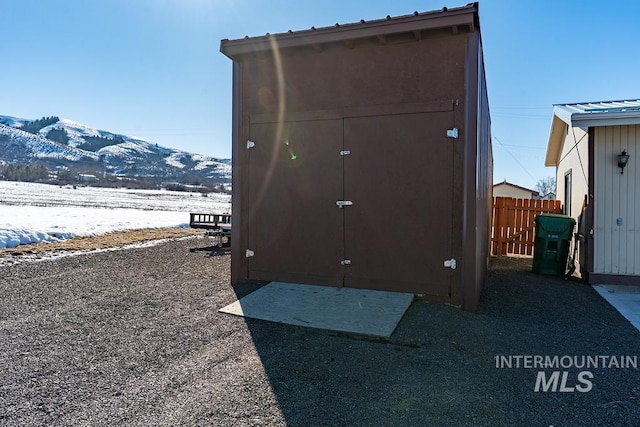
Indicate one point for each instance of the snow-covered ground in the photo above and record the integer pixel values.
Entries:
(31, 213)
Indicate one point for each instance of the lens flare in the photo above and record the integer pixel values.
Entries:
(280, 78)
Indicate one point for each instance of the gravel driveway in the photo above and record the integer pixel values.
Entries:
(133, 337)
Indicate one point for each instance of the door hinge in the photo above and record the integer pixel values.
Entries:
(452, 133)
(450, 263)
(343, 203)
(345, 262)
(249, 253)
(345, 152)
(250, 144)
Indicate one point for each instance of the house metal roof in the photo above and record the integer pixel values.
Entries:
(455, 18)
(588, 114)
(603, 113)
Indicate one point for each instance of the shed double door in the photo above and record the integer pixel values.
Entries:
(360, 202)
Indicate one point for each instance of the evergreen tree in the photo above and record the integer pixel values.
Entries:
(31, 173)
(35, 125)
(58, 135)
(66, 176)
(95, 143)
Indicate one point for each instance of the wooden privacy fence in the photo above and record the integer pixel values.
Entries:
(513, 231)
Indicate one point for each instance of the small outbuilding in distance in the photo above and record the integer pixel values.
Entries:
(362, 156)
(507, 189)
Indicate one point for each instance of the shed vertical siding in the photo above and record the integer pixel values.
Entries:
(238, 179)
(616, 195)
(478, 177)
(484, 178)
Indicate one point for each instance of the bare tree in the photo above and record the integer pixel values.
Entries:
(546, 185)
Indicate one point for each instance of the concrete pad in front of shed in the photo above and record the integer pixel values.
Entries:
(358, 311)
(625, 299)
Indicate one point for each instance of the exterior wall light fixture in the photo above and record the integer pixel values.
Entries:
(623, 158)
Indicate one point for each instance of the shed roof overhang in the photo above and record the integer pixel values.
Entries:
(585, 115)
(465, 17)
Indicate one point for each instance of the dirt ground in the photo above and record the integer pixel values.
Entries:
(134, 337)
(103, 241)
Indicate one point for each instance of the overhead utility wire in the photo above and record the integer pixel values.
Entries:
(514, 157)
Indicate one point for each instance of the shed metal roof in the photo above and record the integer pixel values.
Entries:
(464, 16)
(588, 114)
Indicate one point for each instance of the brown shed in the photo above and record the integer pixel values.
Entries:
(362, 156)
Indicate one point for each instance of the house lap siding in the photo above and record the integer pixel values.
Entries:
(616, 196)
(574, 159)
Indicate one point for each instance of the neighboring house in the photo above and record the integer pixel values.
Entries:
(86, 178)
(362, 156)
(586, 145)
(506, 189)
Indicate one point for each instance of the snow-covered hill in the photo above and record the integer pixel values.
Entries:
(23, 145)
(62, 142)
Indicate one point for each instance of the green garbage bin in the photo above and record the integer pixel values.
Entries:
(551, 248)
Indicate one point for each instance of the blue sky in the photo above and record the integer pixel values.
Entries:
(152, 68)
